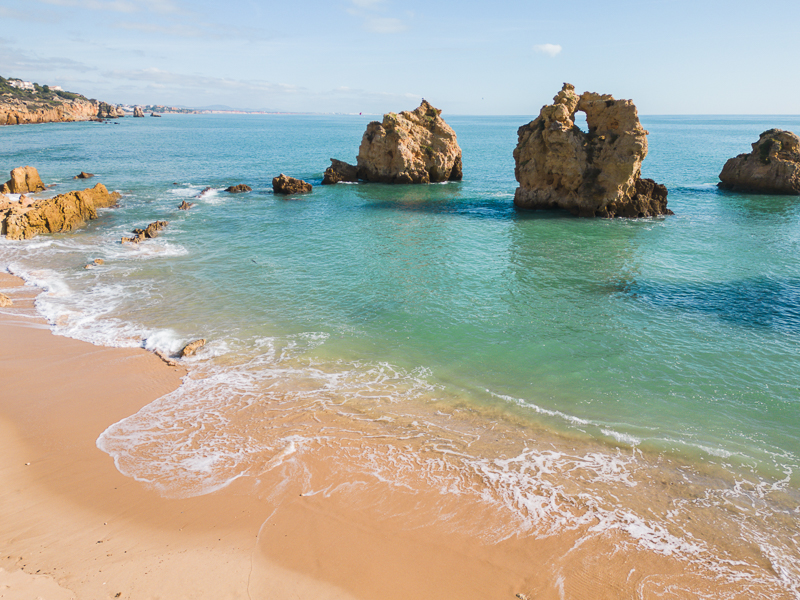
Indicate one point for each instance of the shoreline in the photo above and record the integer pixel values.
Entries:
(300, 526)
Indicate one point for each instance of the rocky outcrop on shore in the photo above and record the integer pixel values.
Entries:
(64, 212)
(5, 301)
(109, 111)
(192, 347)
(24, 180)
(137, 111)
(409, 147)
(773, 166)
(594, 174)
(289, 185)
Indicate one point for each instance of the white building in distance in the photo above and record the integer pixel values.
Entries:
(22, 85)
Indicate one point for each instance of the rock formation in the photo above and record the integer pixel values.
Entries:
(192, 347)
(289, 185)
(149, 232)
(21, 111)
(95, 263)
(409, 147)
(773, 167)
(185, 205)
(109, 111)
(64, 212)
(340, 171)
(594, 174)
(83, 175)
(137, 111)
(238, 189)
(5, 301)
(24, 180)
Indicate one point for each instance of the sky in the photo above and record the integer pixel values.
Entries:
(507, 57)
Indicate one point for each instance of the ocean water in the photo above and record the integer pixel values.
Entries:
(550, 358)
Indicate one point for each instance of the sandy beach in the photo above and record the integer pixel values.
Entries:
(73, 527)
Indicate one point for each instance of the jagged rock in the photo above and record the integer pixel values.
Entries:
(289, 185)
(203, 192)
(165, 358)
(192, 347)
(185, 205)
(410, 147)
(238, 189)
(773, 167)
(24, 180)
(149, 232)
(64, 212)
(95, 263)
(83, 175)
(340, 171)
(137, 111)
(109, 111)
(5, 301)
(594, 174)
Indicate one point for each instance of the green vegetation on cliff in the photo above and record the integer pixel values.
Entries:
(40, 97)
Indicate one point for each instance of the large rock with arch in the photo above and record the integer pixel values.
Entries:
(591, 174)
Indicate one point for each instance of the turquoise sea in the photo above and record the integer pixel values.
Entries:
(638, 349)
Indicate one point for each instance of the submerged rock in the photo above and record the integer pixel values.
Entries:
(192, 347)
(340, 171)
(24, 180)
(64, 212)
(289, 185)
(95, 263)
(410, 147)
(239, 188)
(594, 174)
(773, 166)
(83, 175)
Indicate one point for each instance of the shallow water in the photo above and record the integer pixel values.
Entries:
(536, 360)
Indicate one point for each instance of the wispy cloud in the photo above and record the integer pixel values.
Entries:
(373, 16)
(13, 59)
(160, 78)
(122, 6)
(549, 49)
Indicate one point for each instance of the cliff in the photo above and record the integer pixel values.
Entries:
(42, 105)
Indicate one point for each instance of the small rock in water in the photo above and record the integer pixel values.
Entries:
(192, 347)
(239, 188)
(95, 263)
(185, 205)
(83, 175)
(150, 231)
(289, 185)
(203, 192)
(5, 300)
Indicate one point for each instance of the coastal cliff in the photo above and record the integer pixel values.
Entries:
(591, 174)
(25, 102)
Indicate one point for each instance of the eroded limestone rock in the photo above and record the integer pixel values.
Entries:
(64, 212)
(83, 175)
(594, 174)
(149, 232)
(185, 205)
(137, 111)
(340, 171)
(289, 185)
(24, 180)
(109, 111)
(410, 147)
(192, 347)
(5, 301)
(239, 188)
(773, 166)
